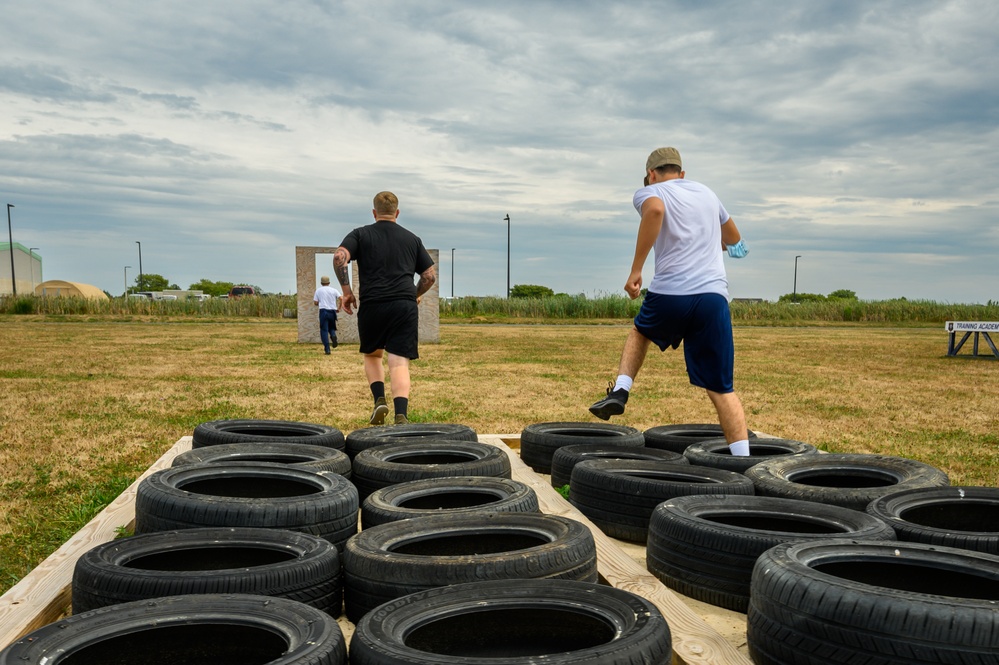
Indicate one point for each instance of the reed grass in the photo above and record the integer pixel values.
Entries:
(561, 308)
(498, 310)
(267, 307)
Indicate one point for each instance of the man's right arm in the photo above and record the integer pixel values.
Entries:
(341, 257)
(653, 212)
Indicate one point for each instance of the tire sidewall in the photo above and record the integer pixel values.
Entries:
(642, 633)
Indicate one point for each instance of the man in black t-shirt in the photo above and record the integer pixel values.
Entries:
(387, 257)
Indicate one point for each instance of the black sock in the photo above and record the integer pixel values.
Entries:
(378, 390)
(401, 405)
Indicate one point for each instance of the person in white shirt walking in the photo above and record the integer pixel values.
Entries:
(327, 299)
(687, 301)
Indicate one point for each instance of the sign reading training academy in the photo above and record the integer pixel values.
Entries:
(973, 326)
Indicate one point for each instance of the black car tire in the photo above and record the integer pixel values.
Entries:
(620, 495)
(392, 464)
(678, 437)
(369, 437)
(218, 432)
(260, 562)
(848, 480)
(538, 442)
(566, 457)
(556, 622)
(447, 496)
(716, 454)
(705, 546)
(397, 558)
(964, 517)
(878, 603)
(316, 458)
(212, 628)
(248, 494)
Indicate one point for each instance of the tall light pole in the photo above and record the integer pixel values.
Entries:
(507, 218)
(126, 282)
(452, 273)
(794, 293)
(140, 262)
(10, 233)
(32, 265)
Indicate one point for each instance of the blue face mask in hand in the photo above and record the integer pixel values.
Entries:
(738, 250)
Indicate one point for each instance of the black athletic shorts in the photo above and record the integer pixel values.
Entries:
(393, 325)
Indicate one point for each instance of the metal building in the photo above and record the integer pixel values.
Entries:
(27, 269)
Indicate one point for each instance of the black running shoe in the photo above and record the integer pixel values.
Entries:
(611, 405)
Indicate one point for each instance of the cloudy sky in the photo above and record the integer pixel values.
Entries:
(862, 136)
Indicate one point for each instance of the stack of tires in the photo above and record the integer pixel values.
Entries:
(928, 597)
(838, 558)
(427, 580)
(256, 507)
(245, 547)
(235, 558)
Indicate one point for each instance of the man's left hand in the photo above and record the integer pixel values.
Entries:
(738, 250)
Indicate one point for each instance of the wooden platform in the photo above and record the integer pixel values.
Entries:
(702, 634)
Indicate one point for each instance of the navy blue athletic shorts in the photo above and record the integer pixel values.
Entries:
(393, 325)
(704, 324)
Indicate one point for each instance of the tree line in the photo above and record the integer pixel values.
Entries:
(154, 282)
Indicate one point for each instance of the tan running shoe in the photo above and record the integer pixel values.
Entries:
(381, 410)
(401, 419)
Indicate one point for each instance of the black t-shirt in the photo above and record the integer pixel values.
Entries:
(387, 257)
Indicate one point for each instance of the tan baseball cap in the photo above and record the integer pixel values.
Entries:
(325, 280)
(662, 157)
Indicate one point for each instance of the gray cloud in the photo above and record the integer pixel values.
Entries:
(859, 135)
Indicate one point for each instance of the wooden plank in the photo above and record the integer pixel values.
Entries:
(43, 595)
(694, 641)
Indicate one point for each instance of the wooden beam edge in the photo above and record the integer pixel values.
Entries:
(694, 641)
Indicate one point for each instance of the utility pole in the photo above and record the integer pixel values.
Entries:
(794, 292)
(507, 218)
(10, 233)
(140, 262)
(452, 273)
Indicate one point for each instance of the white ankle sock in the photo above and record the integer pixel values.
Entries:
(739, 448)
(624, 381)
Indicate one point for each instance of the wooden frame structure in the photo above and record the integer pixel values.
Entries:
(970, 328)
(43, 596)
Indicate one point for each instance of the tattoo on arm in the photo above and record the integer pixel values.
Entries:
(427, 279)
(340, 260)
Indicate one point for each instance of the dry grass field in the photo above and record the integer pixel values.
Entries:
(85, 406)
